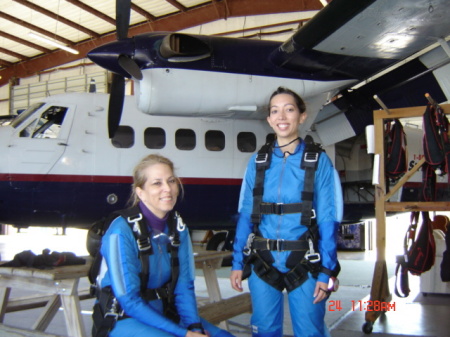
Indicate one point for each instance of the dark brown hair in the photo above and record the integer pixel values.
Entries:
(298, 100)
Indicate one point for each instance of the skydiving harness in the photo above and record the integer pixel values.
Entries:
(304, 256)
(107, 310)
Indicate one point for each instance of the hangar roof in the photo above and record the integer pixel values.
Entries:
(85, 24)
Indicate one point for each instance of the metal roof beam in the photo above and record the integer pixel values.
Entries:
(177, 5)
(143, 12)
(93, 11)
(56, 17)
(16, 55)
(25, 42)
(35, 28)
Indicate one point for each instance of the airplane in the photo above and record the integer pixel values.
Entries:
(60, 168)
(201, 100)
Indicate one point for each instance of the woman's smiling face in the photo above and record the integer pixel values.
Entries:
(285, 117)
(160, 190)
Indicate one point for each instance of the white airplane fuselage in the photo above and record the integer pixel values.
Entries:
(81, 175)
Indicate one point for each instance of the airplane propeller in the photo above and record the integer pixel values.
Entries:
(117, 91)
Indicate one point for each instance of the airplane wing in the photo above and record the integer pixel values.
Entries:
(398, 50)
(360, 38)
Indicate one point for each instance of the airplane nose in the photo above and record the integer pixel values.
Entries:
(109, 56)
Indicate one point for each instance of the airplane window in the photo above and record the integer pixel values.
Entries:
(154, 138)
(48, 125)
(185, 139)
(246, 141)
(25, 114)
(124, 137)
(215, 140)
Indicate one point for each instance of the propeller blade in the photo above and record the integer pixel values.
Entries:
(130, 66)
(116, 99)
(123, 8)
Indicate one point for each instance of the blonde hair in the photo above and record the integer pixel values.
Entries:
(139, 177)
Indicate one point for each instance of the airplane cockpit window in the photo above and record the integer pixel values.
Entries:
(246, 141)
(215, 140)
(48, 125)
(185, 139)
(124, 137)
(25, 114)
(154, 138)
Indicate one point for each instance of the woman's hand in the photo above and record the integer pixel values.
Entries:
(321, 292)
(236, 280)
(195, 334)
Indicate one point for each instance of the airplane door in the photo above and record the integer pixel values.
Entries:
(40, 140)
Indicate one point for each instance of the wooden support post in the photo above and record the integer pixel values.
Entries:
(4, 297)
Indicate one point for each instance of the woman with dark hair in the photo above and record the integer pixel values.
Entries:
(143, 311)
(287, 228)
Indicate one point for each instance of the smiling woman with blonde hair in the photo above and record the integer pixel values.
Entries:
(154, 296)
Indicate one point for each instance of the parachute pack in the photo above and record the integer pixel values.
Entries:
(397, 157)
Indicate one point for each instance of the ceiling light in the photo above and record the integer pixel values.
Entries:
(324, 2)
(53, 43)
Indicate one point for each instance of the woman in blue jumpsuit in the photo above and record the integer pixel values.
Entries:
(283, 183)
(155, 191)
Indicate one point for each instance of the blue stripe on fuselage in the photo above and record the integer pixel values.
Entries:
(80, 202)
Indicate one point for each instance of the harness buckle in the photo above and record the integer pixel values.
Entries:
(180, 224)
(311, 255)
(261, 158)
(144, 244)
(311, 157)
(277, 208)
(174, 242)
(248, 246)
(135, 221)
(313, 213)
(280, 242)
(113, 312)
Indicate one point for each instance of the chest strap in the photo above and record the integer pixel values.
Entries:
(280, 209)
(308, 163)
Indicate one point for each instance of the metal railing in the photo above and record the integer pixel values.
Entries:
(22, 96)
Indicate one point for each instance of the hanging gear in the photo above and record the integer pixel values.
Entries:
(419, 253)
(436, 142)
(107, 309)
(396, 154)
(304, 256)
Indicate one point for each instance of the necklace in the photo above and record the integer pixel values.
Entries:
(279, 147)
(286, 153)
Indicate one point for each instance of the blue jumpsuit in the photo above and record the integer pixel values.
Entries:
(121, 272)
(283, 184)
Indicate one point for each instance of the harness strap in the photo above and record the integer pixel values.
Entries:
(262, 266)
(280, 208)
(260, 243)
(309, 164)
(262, 161)
(169, 305)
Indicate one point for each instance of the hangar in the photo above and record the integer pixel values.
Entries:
(30, 29)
